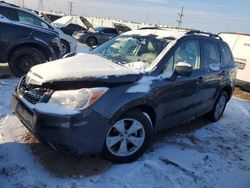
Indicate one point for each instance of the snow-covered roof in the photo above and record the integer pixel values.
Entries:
(158, 32)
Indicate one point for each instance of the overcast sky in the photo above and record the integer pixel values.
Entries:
(210, 15)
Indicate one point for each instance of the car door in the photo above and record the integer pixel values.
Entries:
(179, 99)
(214, 71)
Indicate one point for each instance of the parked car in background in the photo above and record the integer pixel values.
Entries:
(69, 43)
(22, 44)
(52, 17)
(72, 24)
(240, 46)
(86, 33)
(113, 99)
(97, 36)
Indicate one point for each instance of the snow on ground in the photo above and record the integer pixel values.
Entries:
(202, 154)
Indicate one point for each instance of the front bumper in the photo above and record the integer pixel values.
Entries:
(81, 133)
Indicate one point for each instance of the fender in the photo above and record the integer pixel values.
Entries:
(123, 103)
(29, 41)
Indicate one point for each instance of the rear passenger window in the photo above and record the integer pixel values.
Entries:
(226, 57)
(211, 56)
(27, 18)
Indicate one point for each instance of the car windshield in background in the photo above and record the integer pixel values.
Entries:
(128, 49)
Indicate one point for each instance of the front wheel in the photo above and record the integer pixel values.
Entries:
(128, 138)
(219, 107)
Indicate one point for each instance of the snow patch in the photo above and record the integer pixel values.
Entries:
(144, 84)
(183, 64)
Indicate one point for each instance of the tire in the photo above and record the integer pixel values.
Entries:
(24, 58)
(92, 41)
(122, 146)
(219, 107)
(65, 47)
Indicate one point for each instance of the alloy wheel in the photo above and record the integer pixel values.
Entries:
(125, 137)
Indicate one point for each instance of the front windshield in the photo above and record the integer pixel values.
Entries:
(134, 48)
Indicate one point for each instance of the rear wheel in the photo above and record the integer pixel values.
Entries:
(23, 59)
(91, 41)
(219, 107)
(128, 138)
(65, 47)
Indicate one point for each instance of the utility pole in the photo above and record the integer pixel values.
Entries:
(71, 7)
(180, 18)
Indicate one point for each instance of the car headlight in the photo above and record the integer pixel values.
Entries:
(77, 99)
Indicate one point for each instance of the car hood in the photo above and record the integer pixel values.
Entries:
(79, 68)
(79, 20)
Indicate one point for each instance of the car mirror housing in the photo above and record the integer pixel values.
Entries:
(183, 69)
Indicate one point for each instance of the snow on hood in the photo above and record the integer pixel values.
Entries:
(76, 68)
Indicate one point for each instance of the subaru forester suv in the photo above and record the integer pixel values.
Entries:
(114, 98)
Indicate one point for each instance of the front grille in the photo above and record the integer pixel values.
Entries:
(32, 94)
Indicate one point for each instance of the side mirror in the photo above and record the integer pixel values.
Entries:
(183, 69)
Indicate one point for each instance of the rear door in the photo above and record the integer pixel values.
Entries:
(215, 73)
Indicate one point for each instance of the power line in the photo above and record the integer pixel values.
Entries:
(180, 18)
(71, 7)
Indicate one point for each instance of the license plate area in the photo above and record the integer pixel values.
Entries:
(26, 116)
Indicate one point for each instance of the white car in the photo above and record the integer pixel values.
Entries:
(240, 47)
(69, 43)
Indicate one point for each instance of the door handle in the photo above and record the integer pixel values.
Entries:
(199, 80)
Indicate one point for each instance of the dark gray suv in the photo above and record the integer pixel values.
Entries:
(113, 99)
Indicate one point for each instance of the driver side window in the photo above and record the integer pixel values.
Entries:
(188, 52)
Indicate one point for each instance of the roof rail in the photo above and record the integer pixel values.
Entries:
(204, 33)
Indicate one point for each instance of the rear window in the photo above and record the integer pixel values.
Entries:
(226, 56)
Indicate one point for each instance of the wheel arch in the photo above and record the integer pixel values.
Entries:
(228, 89)
(92, 36)
(44, 50)
(144, 107)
